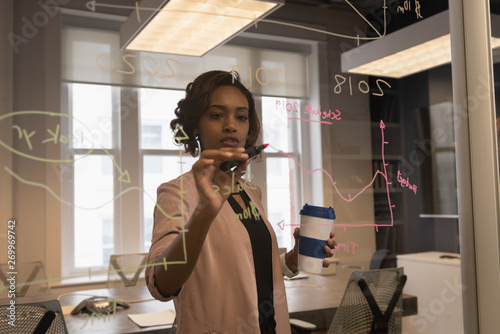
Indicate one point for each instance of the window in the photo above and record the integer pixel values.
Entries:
(151, 135)
(122, 147)
(92, 156)
(162, 158)
(281, 172)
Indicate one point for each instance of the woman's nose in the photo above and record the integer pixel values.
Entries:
(229, 125)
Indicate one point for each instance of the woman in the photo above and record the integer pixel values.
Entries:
(225, 275)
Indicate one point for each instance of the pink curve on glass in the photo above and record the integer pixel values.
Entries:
(350, 198)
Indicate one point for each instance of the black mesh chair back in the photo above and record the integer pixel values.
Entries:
(372, 303)
(173, 329)
(37, 318)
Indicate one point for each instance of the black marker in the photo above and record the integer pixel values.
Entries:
(252, 152)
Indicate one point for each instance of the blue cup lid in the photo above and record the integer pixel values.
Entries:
(318, 211)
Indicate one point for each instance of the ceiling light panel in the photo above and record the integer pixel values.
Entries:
(192, 27)
(413, 49)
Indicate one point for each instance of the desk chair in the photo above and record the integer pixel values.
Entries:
(36, 318)
(173, 329)
(372, 303)
(30, 279)
(126, 269)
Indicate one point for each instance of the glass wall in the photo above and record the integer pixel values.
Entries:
(408, 160)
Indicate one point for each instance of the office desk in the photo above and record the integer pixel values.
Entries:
(313, 299)
(316, 298)
(115, 323)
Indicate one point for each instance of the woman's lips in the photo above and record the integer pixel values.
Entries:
(230, 141)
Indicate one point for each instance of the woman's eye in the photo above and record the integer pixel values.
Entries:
(215, 116)
(242, 118)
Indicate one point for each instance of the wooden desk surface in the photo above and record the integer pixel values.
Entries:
(313, 299)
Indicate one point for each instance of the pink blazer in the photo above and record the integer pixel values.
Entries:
(220, 296)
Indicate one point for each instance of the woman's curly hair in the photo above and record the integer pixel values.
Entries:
(198, 94)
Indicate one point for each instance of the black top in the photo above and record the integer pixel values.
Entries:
(262, 259)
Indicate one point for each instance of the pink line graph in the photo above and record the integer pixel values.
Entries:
(349, 197)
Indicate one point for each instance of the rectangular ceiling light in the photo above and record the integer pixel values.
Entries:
(190, 27)
(416, 48)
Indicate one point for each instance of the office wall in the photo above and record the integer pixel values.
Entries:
(36, 87)
(6, 79)
(419, 91)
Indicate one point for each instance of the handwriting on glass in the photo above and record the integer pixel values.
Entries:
(406, 7)
(52, 136)
(308, 110)
(100, 316)
(345, 247)
(150, 65)
(406, 183)
(249, 212)
(362, 86)
(227, 190)
(261, 75)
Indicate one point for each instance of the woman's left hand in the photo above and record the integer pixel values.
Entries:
(292, 257)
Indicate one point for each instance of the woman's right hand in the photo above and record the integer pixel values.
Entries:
(214, 186)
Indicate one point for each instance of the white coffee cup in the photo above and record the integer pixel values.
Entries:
(316, 223)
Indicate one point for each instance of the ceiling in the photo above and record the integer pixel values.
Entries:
(364, 6)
